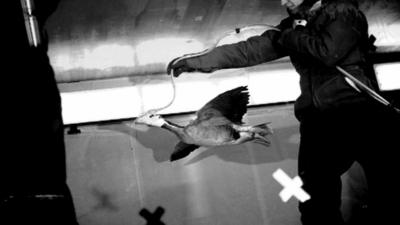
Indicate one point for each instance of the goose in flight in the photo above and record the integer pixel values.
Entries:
(219, 122)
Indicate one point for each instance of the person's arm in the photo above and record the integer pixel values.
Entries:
(253, 51)
(332, 44)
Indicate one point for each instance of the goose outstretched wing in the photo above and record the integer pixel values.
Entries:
(182, 150)
(231, 104)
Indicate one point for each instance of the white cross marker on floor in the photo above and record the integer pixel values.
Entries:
(291, 187)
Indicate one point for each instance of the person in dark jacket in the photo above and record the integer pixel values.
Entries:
(33, 175)
(338, 124)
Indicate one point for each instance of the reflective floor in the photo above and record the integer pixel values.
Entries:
(116, 171)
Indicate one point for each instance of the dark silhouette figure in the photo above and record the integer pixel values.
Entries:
(33, 186)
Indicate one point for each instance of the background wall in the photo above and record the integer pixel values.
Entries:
(98, 39)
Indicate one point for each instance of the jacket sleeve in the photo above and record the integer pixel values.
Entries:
(329, 46)
(255, 50)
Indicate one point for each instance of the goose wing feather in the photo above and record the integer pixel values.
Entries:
(182, 150)
(231, 104)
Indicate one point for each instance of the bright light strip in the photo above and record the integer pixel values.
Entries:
(100, 105)
(388, 76)
(192, 92)
(274, 86)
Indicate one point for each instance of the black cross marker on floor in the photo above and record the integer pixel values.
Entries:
(153, 218)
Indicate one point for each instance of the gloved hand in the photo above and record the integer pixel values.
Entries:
(179, 67)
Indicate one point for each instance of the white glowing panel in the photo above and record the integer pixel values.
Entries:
(100, 105)
(274, 86)
(388, 76)
(193, 90)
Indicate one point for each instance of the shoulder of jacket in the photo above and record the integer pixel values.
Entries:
(344, 8)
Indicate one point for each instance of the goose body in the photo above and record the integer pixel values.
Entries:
(219, 122)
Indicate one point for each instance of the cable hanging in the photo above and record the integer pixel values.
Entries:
(358, 83)
(152, 112)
